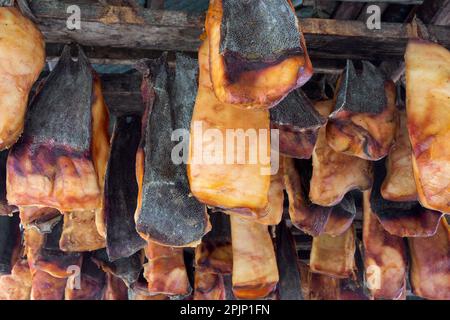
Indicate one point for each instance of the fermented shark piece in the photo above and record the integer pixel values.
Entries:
(257, 51)
(80, 232)
(298, 123)
(430, 260)
(22, 57)
(128, 269)
(115, 288)
(9, 241)
(44, 254)
(90, 284)
(287, 261)
(403, 219)
(427, 105)
(384, 257)
(363, 122)
(341, 216)
(255, 271)
(166, 213)
(208, 286)
(334, 256)
(214, 254)
(399, 184)
(121, 190)
(317, 286)
(5, 208)
(218, 176)
(335, 173)
(17, 285)
(28, 215)
(165, 271)
(44, 286)
(306, 216)
(61, 157)
(272, 213)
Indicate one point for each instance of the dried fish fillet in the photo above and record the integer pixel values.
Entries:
(335, 173)
(22, 57)
(430, 264)
(255, 271)
(166, 213)
(427, 105)
(222, 178)
(60, 160)
(255, 65)
(364, 120)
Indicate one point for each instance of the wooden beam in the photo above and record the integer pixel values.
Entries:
(109, 26)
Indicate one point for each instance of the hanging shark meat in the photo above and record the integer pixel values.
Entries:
(166, 213)
(257, 51)
(44, 286)
(403, 219)
(363, 122)
(5, 208)
(255, 271)
(121, 190)
(22, 57)
(298, 123)
(427, 105)
(335, 173)
(60, 160)
(219, 175)
(384, 257)
(17, 285)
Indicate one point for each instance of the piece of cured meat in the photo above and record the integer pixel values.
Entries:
(341, 216)
(208, 286)
(121, 190)
(60, 160)
(5, 208)
(22, 57)
(427, 105)
(17, 285)
(364, 119)
(44, 286)
(166, 213)
(115, 288)
(257, 51)
(28, 215)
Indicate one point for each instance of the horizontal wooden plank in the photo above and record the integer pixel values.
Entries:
(146, 29)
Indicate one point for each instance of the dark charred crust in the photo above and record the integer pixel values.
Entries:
(287, 260)
(403, 219)
(9, 239)
(121, 190)
(168, 215)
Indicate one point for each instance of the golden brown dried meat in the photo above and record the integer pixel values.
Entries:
(363, 122)
(208, 286)
(255, 65)
(60, 160)
(22, 57)
(17, 285)
(28, 215)
(335, 173)
(44, 286)
(255, 271)
(427, 105)
(216, 178)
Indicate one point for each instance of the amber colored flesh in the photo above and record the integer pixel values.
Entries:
(384, 257)
(208, 286)
(428, 113)
(225, 185)
(17, 285)
(47, 287)
(258, 88)
(22, 57)
(335, 173)
(255, 271)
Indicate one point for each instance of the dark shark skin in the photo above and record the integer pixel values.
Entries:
(9, 239)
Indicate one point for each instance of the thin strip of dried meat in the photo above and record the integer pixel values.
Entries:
(60, 159)
(430, 264)
(298, 123)
(399, 184)
(363, 122)
(220, 173)
(403, 219)
(384, 257)
(255, 64)
(427, 105)
(9, 242)
(166, 213)
(255, 271)
(17, 285)
(121, 190)
(335, 173)
(22, 57)
(5, 208)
